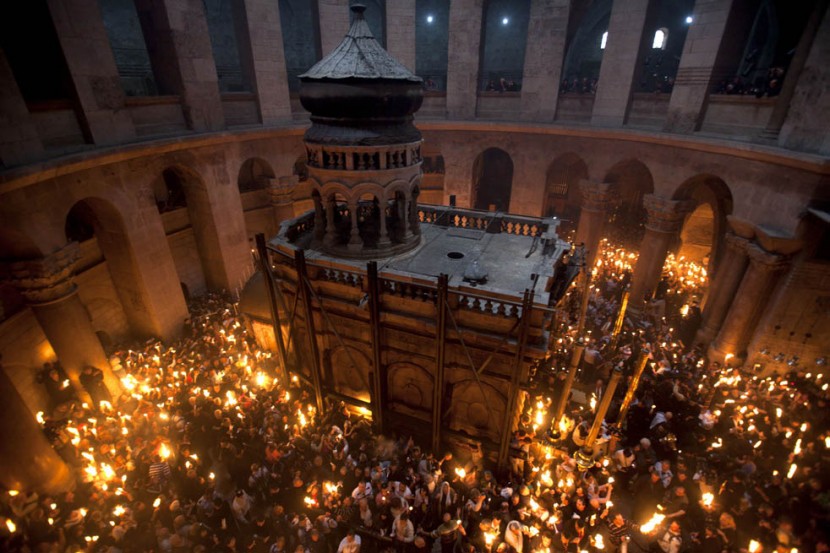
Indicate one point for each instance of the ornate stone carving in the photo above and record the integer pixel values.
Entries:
(665, 215)
(47, 279)
(736, 243)
(760, 259)
(280, 190)
(596, 196)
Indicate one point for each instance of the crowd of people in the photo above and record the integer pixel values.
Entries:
(209, 448)
(769, 86)
(577, 85)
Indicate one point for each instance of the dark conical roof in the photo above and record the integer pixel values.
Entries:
(359, 56)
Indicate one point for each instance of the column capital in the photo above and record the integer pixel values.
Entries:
(596, 196)
(281, 189)
(665, 215)
(46, 279)
(763, 260)
(736, 243)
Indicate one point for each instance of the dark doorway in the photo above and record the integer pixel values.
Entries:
(492, 180)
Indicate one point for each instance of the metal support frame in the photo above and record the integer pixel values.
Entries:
(440, 346)
(379, 372)
(265, 267)
(513, 390)
(304, 290)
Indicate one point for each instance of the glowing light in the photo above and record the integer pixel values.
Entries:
(164, 451)
(119, 510)
(505, 20)
(652, 523)
(461, 472)
(11, 525)
(13, 492)
(430, 19)
(708, 499)
(754, 546)
(39, 417)
(689, 19)
(157, 502)
(598, 543)
(791, 472)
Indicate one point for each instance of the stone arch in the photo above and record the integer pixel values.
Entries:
(203, 215)
(254, 174)
(631, 180)
(477, 410)
(116, 247)
(492, 180)
(397, 186)
(346, 378)
(562, 197)
(705, 227)
(410, 389)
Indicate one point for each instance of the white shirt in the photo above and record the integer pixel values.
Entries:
(349, 547)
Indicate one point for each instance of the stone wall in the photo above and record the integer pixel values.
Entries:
(128, 47)
(431, 41)
(25, 349)
(300, 37)
(220, 19)
(503, 46)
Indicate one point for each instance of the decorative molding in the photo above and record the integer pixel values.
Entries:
(47, 279)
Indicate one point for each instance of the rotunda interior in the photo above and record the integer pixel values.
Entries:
(511, 255)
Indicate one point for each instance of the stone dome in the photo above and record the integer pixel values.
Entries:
(359, 94)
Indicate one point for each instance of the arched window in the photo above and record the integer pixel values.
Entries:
(603, 41)
(660, 37)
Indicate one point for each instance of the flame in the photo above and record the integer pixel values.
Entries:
(157, 502)
(461, 472)
(119, 510)
(164, 451)
(754, 546)
(598, 543)
(792, 470)
(652, 523)
(708, 499)
(11, 525)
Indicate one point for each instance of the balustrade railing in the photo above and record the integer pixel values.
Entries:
(481, 220)
(363, 158)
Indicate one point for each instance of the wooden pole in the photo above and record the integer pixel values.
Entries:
(265, 267)
(440, 346)
(311, 334)
(378, 374)
(585, 456)
(615, 336)
(632, 388)
(576, 356)
(513, 391)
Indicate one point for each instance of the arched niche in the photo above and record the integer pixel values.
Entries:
(706, 225)
(112, 239)
(204, 218)
(631, 180)
(254, 174)
(492, 180)
(476, 410)
(349, 373)
(410, 390)
(562, 197)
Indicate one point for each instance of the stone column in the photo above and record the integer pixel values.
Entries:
(178, 41)
(619, 62)
(334, 23)
(49, 288)
(355, 243)
(319, 217)
(723, 287)
(403, 217)
(414, 222)
(86, 49)
(547, 32)
(27, 460)
(463, 58)
(664, 220)
(282, 202)
(748, 304)
(383, 237)
(596, 199)
(697, 69)
(400, 31)
(263, 48)
(802, 109)
(19, 141)
(330, 238)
